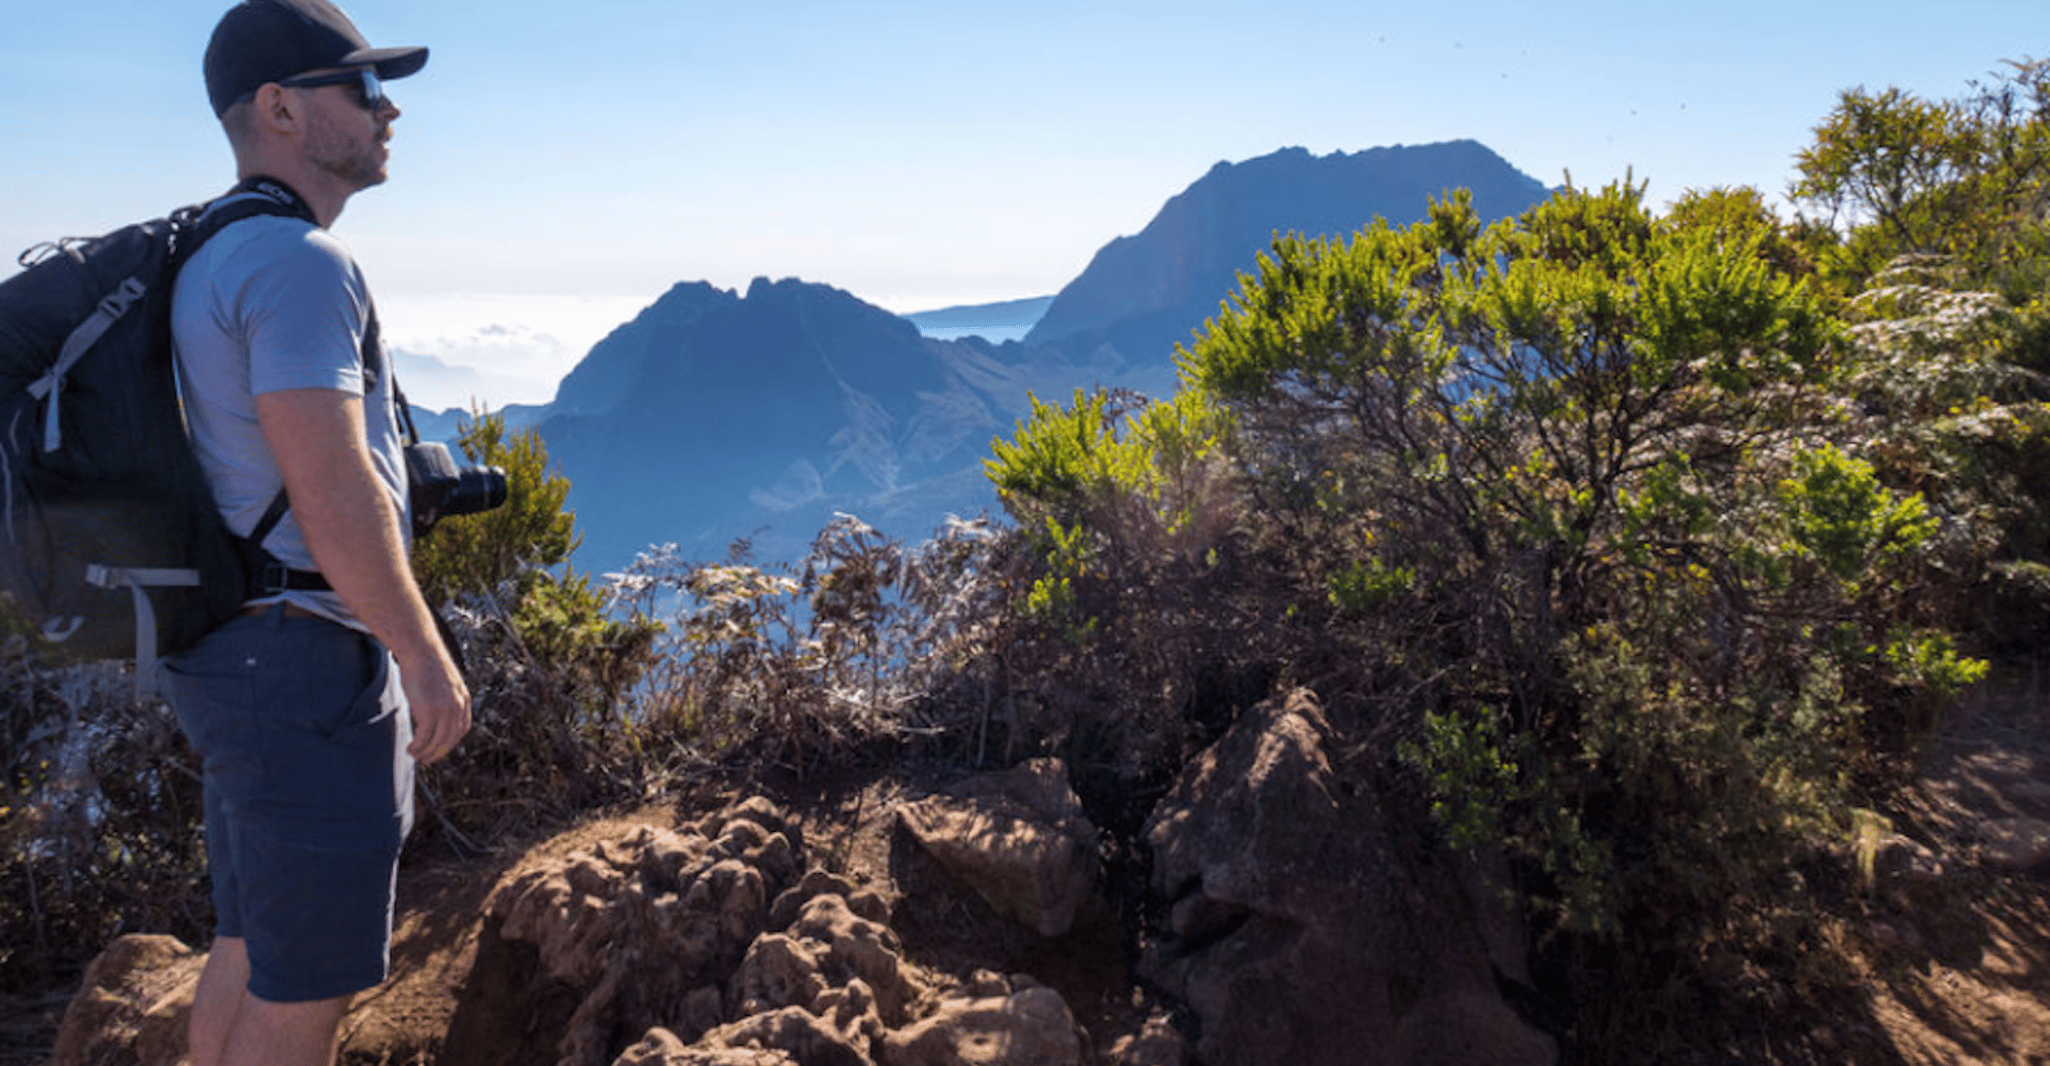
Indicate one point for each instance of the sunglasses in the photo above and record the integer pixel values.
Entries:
(361, 81)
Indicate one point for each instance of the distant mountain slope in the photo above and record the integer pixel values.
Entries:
(1148, 292)
(1006, 314)
(715, 415)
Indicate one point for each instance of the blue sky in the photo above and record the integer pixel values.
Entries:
(560, 164)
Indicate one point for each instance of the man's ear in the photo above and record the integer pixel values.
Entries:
(276, 111)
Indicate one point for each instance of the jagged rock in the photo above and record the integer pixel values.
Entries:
(1904, 859)
(827, 949)
(1029, 1027)
(2017, 843)
(1157, 1043)
(1307, 928)
(816, 883)
(778, 971)
(640, 925)
(132, 1006)
(663, 1048)
(805, 1037)
(1019, 838)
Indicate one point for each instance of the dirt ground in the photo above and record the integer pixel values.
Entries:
(1958, 970)
(1955, 964)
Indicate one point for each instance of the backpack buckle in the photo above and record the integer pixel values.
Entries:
(116, 303)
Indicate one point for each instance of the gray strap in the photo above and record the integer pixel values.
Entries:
(81, 340)
(139, 580)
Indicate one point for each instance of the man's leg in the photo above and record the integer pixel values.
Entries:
(221, 987)
(284, 1034)
(230, 1027)
(309, 797)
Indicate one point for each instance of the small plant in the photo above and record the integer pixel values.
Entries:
(820, 662)
(1471, 778)
(1370, 585)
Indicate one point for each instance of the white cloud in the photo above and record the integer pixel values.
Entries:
(497, 349)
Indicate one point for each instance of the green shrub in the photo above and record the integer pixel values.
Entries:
(1585, 505)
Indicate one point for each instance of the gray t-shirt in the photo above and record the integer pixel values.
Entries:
(270, 304)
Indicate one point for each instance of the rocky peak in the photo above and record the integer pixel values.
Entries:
(1171, 276)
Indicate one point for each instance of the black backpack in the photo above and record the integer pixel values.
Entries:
(110, 542)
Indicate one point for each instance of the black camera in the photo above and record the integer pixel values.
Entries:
(440, 488)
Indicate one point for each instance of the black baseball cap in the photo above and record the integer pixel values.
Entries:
(262, 41)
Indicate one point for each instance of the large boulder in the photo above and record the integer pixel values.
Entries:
(1019, 838)
(1307, 926)
(133, 1005)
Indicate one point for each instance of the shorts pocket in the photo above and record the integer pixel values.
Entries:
(333, 728)
(212, 690)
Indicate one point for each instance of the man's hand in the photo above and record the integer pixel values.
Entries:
(440, 703)
(352, 527)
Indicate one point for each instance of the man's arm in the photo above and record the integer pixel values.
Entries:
(352, 528)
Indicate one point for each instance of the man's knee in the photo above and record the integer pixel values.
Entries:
(285, 1034)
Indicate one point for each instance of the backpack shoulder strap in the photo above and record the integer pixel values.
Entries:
(256, 197)
(199, 224)
(253, 198)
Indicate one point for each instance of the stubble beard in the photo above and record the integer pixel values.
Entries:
(355, 162)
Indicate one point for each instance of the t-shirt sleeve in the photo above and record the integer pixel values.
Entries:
(302, 305)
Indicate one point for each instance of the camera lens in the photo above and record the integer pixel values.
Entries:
(477, 488)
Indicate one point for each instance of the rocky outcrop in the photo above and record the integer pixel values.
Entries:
(642, 925)
(1019, 838)
(705, 941)
(1305, 927)
(133, 1005)
(699, 945)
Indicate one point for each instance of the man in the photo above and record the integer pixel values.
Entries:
(310, 708)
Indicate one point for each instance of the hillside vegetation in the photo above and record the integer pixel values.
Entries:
(1644, 548)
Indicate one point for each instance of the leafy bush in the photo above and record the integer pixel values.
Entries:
(1893, 174)
(1131, 519)
(1567, 458)
(1607, 513)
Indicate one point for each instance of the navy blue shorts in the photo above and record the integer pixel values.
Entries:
(302, 730)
